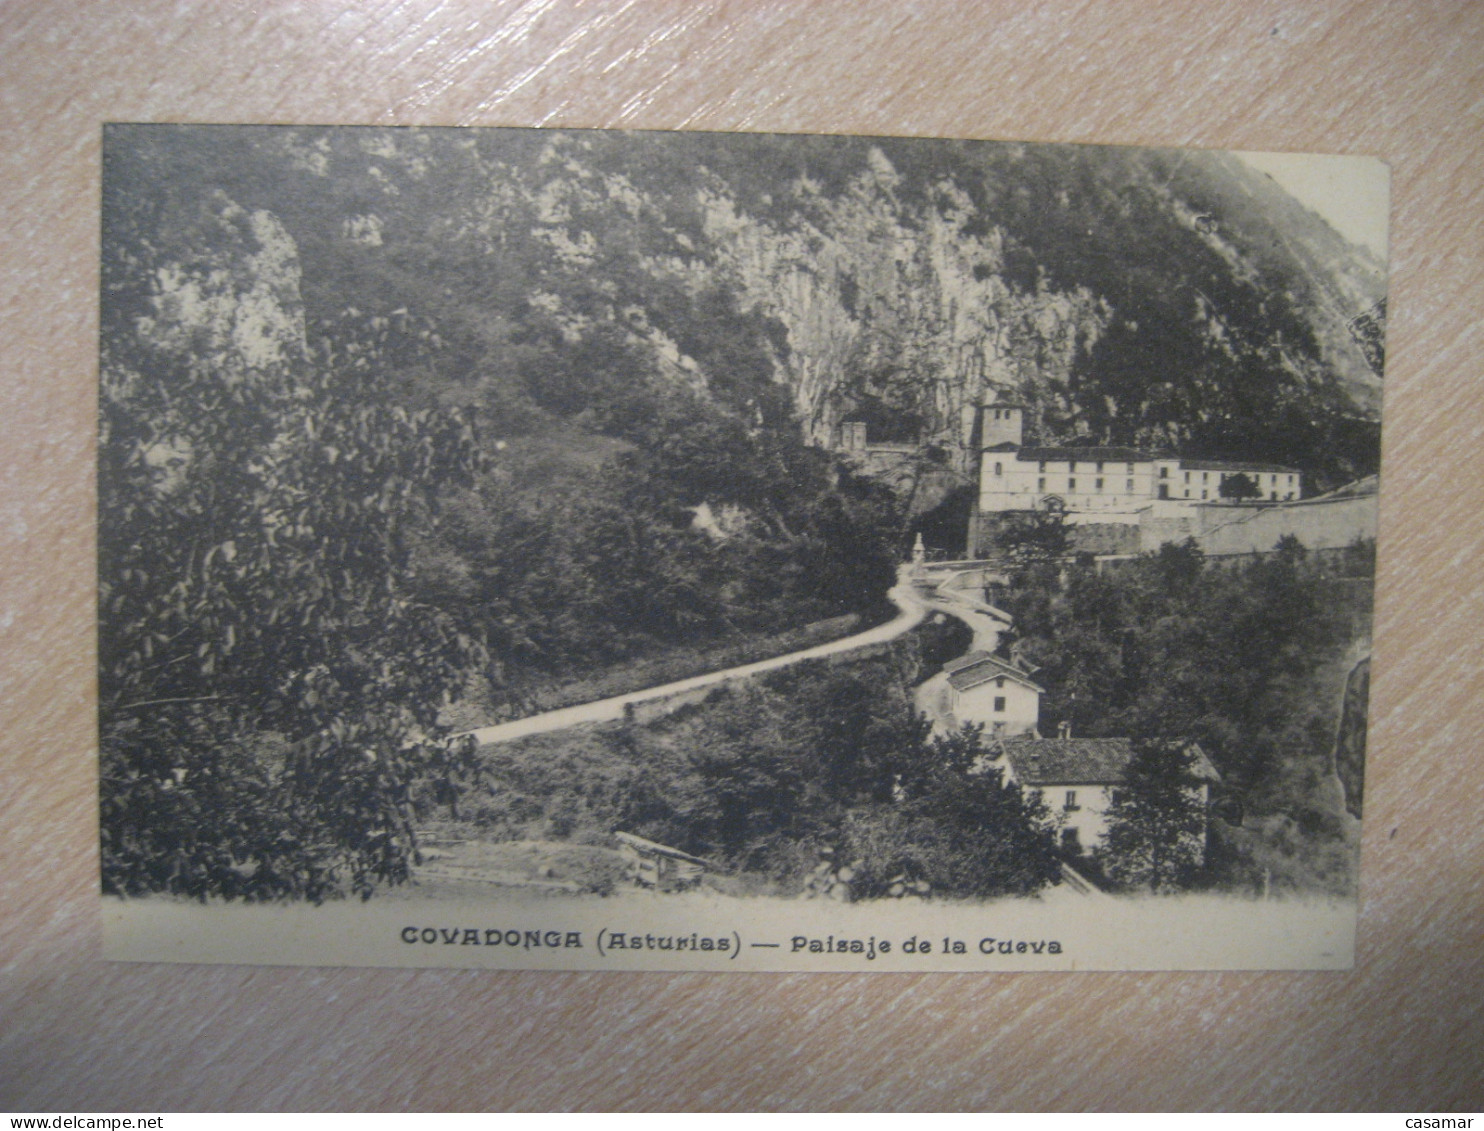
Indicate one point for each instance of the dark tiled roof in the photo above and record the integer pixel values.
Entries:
(1125, 455)
(1234, 465)
(979, 667)
(1054, 761)
(967, 660)
(1081, 761)
(1136, 455)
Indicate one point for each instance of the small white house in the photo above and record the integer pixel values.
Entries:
(1075, 779)
(984, 689)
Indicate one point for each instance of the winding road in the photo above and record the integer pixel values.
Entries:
(911, 609)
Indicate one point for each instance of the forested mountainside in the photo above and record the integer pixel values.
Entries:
(657, 335)
(1128, 295)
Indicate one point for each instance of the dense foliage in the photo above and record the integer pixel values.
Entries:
(1247, 661)
(768, 777)
(954, 828)
(690, 531)
(1157, 820)
(267, 685)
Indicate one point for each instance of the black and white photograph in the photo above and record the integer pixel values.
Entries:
(588, 549)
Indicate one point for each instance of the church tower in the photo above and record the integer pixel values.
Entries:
(1001, 423)
(1001, 431)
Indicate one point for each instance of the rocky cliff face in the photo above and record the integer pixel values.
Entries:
(891, 310)
(234, 299)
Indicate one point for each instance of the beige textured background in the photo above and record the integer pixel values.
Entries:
(1402, 80)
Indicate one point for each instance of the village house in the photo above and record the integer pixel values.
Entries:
(1075, 779)
(980, 688)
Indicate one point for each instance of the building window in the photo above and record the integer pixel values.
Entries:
(1042, 467)
(1000, 682)
(1205, 494)
(1071, 804)
(1100, 465)
(1187, 477)
(1129, 486)
(1205, 477)
(999, 469)
(1070, 842)
(1071, 484)
(1099, 485)
(1130, 469)
(1164, 473)
(1041, 484)
(1072, 467)
(999, 704)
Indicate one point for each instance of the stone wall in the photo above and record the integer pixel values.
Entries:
(1219, 528)
(1320, 524)
(1105, 538)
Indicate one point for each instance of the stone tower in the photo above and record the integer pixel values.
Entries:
(1001, 422)
(1002, 427)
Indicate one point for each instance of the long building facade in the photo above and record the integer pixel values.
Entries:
(1013, 477)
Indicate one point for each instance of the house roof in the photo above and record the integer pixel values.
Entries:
(1081, 761)
(967, 660)
(975, 668)
(1229, 466)
(1127, 455)
(639, 844)
(1136, 455)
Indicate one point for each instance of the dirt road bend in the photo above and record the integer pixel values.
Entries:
(911, 609)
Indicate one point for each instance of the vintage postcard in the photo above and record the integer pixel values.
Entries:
(574, 549)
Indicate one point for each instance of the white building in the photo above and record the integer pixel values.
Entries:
(983, 689)
(1075, 779)
(1013, 477)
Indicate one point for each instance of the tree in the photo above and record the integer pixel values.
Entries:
(268, 687)
(1180, 565)
(1239, 486)
(956, 825)
(1157, 821)
(1029, 538)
